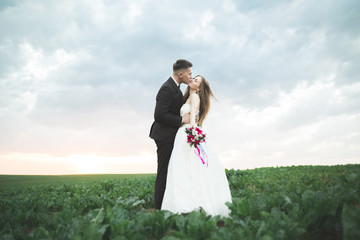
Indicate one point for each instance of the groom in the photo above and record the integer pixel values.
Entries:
(169, 100)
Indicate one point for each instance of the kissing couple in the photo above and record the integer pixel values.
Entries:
(190, 176)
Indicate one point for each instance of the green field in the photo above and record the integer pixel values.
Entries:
(299, 202)
(23, 180)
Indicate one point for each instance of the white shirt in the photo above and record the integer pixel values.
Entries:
(175, 81)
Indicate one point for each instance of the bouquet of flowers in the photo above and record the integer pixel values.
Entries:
(195, 136)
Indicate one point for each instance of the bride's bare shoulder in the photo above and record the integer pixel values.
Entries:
(194, 96)
(194, 99)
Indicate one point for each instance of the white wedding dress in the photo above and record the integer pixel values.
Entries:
(191, 184)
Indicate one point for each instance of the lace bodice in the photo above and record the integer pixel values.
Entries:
(184, 109)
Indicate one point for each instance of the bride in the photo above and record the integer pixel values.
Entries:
(195, 180)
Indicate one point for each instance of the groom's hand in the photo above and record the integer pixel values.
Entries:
(186, 118)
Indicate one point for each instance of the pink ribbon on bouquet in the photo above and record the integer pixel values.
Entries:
(201, 154)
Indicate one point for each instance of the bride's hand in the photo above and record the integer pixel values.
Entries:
(186, 118)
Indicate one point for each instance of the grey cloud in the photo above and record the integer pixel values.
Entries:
(282, 46)
(5, 4)
(249, 55)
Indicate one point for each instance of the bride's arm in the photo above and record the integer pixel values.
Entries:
(195, 105)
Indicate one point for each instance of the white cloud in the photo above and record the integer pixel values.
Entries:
(38, 67)
(229, 6)
(79, 78)
(202, 30)
(306, 126)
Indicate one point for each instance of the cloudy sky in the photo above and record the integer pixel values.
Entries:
(78, 81)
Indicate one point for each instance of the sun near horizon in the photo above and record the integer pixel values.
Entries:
(43, 164)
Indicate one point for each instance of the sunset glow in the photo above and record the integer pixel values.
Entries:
(78, 81)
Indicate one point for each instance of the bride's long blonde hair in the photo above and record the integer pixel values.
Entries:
(204, 93)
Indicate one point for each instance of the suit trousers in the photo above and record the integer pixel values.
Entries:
(164, 150)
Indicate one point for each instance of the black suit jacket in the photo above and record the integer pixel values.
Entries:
(167, 112)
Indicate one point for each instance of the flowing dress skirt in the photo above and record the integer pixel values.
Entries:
(192, 184)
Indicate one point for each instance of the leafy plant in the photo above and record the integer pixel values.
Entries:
(298, 202)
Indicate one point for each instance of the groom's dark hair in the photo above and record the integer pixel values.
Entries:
(181, 64)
